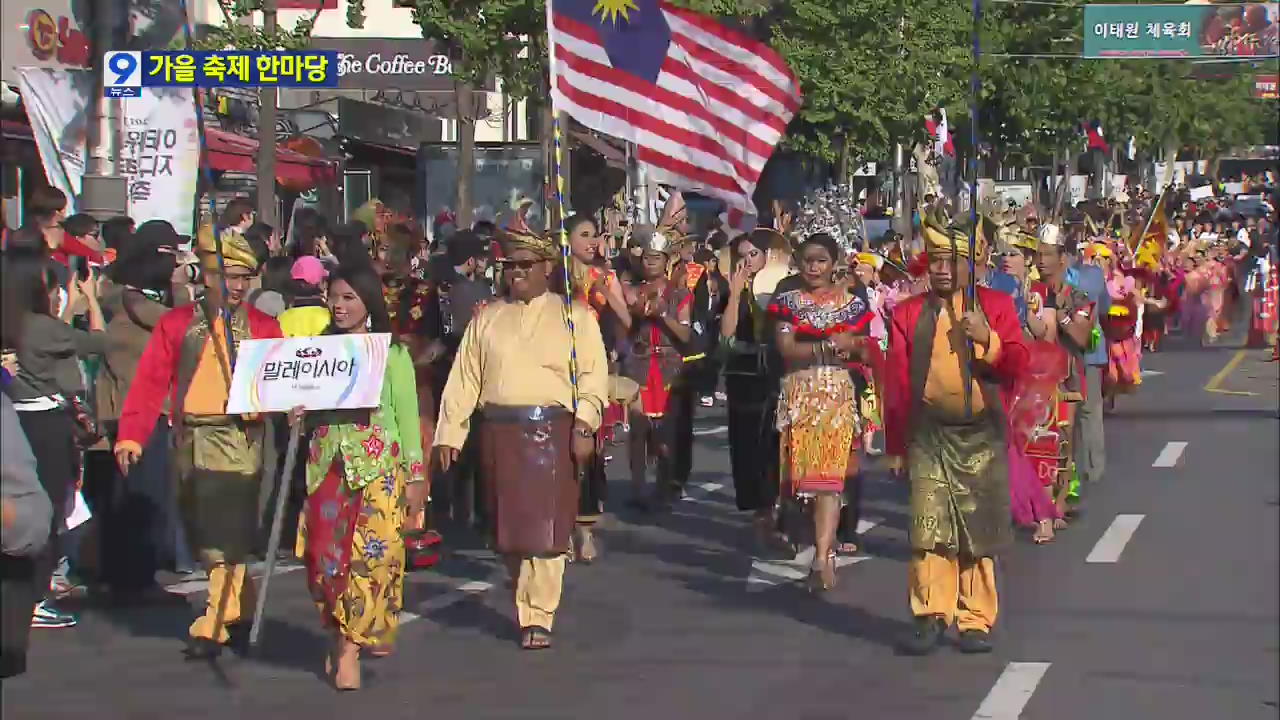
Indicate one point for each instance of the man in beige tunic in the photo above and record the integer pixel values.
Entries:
(536, 419)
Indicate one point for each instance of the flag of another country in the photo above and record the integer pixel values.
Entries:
(704, 105)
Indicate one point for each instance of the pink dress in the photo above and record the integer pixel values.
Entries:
(1124, 371)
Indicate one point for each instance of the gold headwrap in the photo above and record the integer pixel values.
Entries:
(1026, 241)
(866, 258)
(537, 243)
(938, 239)
(236, 251)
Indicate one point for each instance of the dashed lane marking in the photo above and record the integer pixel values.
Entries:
(1012, 691)
(256, 571)
(769, 573)
(717, 430)
(448, 598)
(1170, 455)
(1112, 542)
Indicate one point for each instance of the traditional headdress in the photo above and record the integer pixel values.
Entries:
(940, 240)
(517, 235)
(513, 239)
(236, 251)
(1051, 234)
(872, 259)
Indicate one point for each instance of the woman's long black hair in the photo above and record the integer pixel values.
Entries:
(28, 279)
(368, 286)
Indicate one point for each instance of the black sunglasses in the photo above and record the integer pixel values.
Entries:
(520, 264)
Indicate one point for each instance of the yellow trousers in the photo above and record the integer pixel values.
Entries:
(231, 596)
(538, 583)
(958, 590)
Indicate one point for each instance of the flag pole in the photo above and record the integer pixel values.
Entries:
(223, 311)
(557, 163)
(1135, 244)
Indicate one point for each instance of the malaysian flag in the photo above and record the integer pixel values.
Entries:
(704, 105)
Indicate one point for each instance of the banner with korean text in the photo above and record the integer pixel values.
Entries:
(1163, 30)
(327, 372)
(159, 153)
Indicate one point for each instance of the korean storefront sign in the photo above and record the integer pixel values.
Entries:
(1190, 31)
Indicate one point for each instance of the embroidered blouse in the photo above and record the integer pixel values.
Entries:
(817, 320)
(391, 441)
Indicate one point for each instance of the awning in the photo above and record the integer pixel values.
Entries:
(229, 152)
(15, 130)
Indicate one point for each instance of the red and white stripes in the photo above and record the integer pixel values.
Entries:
(718, 108)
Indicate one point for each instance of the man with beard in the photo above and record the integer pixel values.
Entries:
(217, 457)
(539, 385)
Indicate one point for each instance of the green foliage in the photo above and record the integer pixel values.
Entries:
(870, 70)
(235, 34)
(1033, 107)
(488, 38)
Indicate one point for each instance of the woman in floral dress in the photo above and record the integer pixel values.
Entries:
(365, 475)
(820, 328)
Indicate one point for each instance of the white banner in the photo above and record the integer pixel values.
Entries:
(1202, 192)
(1233, 188)
(159, 143)
(327, 372)
(56, 103)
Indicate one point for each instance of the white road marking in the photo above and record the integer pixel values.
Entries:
(1012, 691)
(446, 599)
(768, 573)
(717, 430)
(1170, 455)
(1152, 373)
(1112, 542)
(190, 587)
(702, 492)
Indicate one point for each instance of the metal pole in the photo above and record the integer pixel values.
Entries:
(277, 521)
(223, 310)
(267, 99)
(974, 89)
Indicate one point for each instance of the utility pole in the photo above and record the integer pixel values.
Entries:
(267, 99)
(104, 194)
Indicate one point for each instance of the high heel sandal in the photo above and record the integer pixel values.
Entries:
(346, 671)
(822, 579)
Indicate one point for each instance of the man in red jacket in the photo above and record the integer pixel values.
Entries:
(217, 457)
(947, 372)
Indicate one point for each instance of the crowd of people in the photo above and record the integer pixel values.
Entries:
(985, 358)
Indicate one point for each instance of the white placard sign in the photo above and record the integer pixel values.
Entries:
(327, 372)
(1202, 192)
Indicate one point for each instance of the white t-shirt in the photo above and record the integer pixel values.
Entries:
(1242, 236)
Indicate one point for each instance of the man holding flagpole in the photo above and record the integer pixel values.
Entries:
(217, 457)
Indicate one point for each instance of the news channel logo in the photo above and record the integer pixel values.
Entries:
(126, 72)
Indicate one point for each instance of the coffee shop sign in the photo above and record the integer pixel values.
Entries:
(398, 64)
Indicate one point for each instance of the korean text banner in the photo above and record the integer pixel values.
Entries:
(125, 72)
(1165, 31)
(159, 149)
(328, 372)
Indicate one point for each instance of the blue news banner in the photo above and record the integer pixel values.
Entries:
(126, 72)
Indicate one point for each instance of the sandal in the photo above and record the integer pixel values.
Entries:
(1044, 532)
(822, 579)
(847, 548)
(535, 637)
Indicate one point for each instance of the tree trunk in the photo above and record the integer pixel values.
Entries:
(1060, 192)
(466, 117)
